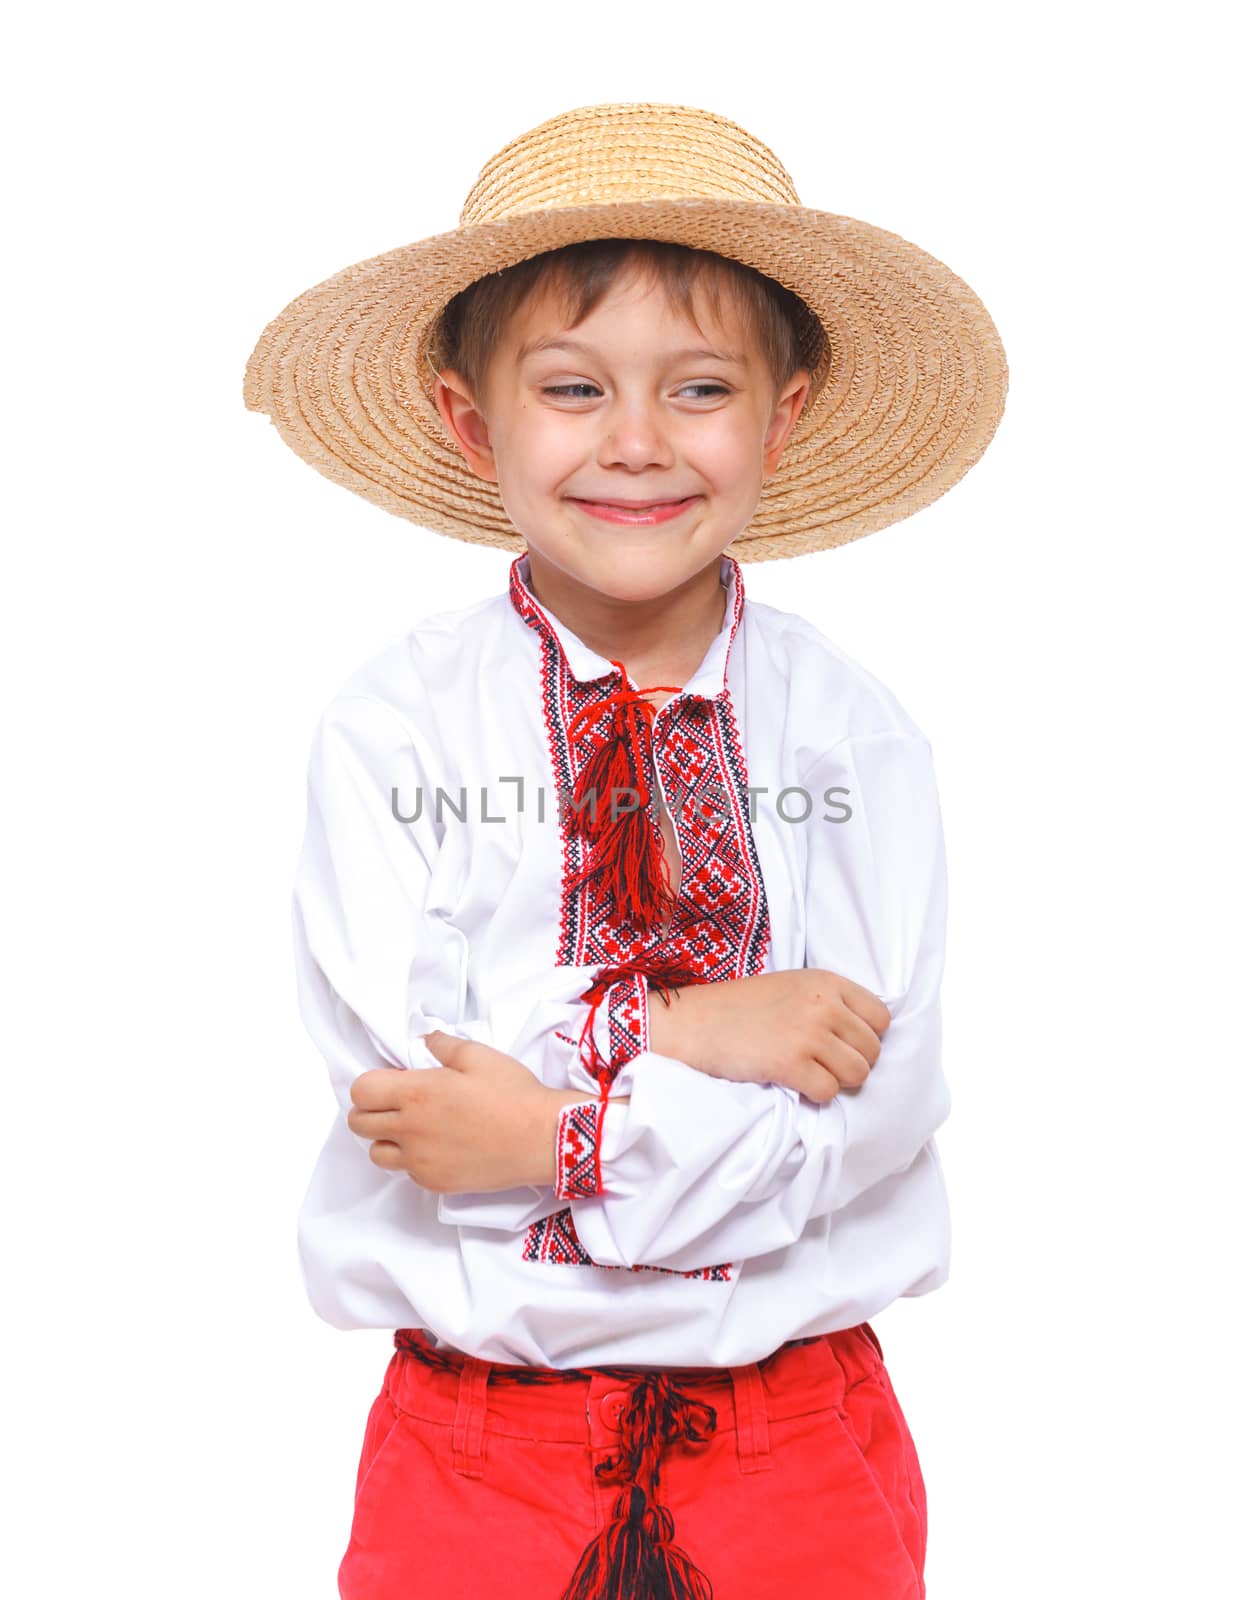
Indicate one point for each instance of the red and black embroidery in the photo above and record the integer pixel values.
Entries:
(602, 738)
(553, 1239)
(578, 1151)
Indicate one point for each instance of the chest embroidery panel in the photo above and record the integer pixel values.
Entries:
(718, 926)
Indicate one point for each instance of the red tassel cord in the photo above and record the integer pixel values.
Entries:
(611, 810)
(664, 972)
(633, 1557)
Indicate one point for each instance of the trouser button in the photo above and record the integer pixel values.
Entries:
(612, 1409)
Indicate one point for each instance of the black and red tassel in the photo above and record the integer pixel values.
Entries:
(634, 1557)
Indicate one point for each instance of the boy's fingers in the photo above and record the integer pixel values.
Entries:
(377, 1089)
(445, 1046)
(813, 1081)
(849, 1067)
(868, 1006)
(387, 1155)
(373, 1124)
(859, 1035)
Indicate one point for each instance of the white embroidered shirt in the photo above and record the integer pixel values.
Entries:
(437, 888)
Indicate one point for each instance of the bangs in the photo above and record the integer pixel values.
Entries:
(774, 321)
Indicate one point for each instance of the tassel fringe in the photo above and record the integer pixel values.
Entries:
(633, 1558)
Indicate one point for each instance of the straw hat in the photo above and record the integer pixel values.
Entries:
(907, 393)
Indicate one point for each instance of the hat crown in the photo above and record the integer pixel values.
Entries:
(610, 154)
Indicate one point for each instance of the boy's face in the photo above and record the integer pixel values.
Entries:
(632, 405)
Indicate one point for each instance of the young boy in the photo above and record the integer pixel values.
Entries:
(620, 915)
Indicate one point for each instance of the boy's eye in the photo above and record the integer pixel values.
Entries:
(572, 389)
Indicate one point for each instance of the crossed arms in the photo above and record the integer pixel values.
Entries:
(758, 1105)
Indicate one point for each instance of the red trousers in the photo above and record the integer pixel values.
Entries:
(793, 1476)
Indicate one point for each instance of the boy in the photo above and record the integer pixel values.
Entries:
(620, 915)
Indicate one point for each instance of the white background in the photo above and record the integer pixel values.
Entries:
(183, 594)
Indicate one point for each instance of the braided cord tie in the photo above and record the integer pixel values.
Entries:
(634, 1557)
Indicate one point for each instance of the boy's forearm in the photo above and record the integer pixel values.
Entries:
(669, 1024)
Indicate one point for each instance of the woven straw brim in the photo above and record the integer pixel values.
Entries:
(913, 391)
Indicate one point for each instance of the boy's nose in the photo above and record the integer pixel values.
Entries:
(636, 437)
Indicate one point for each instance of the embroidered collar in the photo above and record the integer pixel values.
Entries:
(711, 677)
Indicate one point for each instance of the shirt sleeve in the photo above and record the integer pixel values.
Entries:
(697, 1169)
(378, 960)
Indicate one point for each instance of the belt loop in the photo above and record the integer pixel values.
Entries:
(750, 1404)
(469, 1429)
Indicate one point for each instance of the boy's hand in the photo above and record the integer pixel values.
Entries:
(807, 1029)
(484, 1122)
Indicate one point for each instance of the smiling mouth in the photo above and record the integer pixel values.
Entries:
(636, 510)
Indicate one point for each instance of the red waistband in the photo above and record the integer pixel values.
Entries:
(412, 1341)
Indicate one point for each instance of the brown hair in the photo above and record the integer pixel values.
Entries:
(778, 323)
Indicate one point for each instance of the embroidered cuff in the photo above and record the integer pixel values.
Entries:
(627, 1005)
(578, 1150)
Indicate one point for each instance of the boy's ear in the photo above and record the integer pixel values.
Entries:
(463, 421)
(786, 412)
